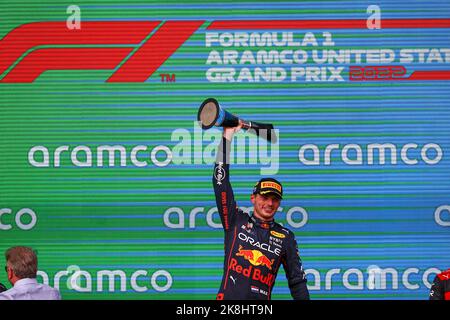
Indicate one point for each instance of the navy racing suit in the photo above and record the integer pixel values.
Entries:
(254, 249)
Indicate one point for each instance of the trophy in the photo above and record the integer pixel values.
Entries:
(212, 114)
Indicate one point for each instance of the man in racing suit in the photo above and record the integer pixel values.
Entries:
(255, 246)
(440, 290)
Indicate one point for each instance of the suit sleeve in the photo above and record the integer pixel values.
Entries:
(294, 271)
(437, 290)
(222, 186)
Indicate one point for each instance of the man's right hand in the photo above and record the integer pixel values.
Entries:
(228, 133)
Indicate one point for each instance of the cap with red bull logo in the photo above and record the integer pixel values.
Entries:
(267, 186)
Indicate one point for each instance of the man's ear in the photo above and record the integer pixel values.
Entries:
(10, 273)
(252, 198)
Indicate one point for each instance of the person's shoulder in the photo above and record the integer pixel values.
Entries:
(46, 287)
(8, 294)
(445, 275)
(56, 294)
(50, 288)
(244, 215)
(49, 292)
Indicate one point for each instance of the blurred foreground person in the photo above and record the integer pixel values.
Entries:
(440, 290)
(21, 267)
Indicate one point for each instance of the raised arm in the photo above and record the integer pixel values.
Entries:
(221, 181)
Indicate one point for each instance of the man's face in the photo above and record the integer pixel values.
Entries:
(265, 206)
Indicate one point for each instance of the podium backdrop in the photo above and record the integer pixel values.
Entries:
(105, 172)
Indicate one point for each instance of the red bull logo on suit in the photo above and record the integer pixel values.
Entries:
(255, 257)
(252, 272)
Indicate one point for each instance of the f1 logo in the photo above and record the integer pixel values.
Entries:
(137, 68)
(49, 41)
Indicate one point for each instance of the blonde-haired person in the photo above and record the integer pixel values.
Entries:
(21, 267)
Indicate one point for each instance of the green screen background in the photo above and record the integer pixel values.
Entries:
(112, 218)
